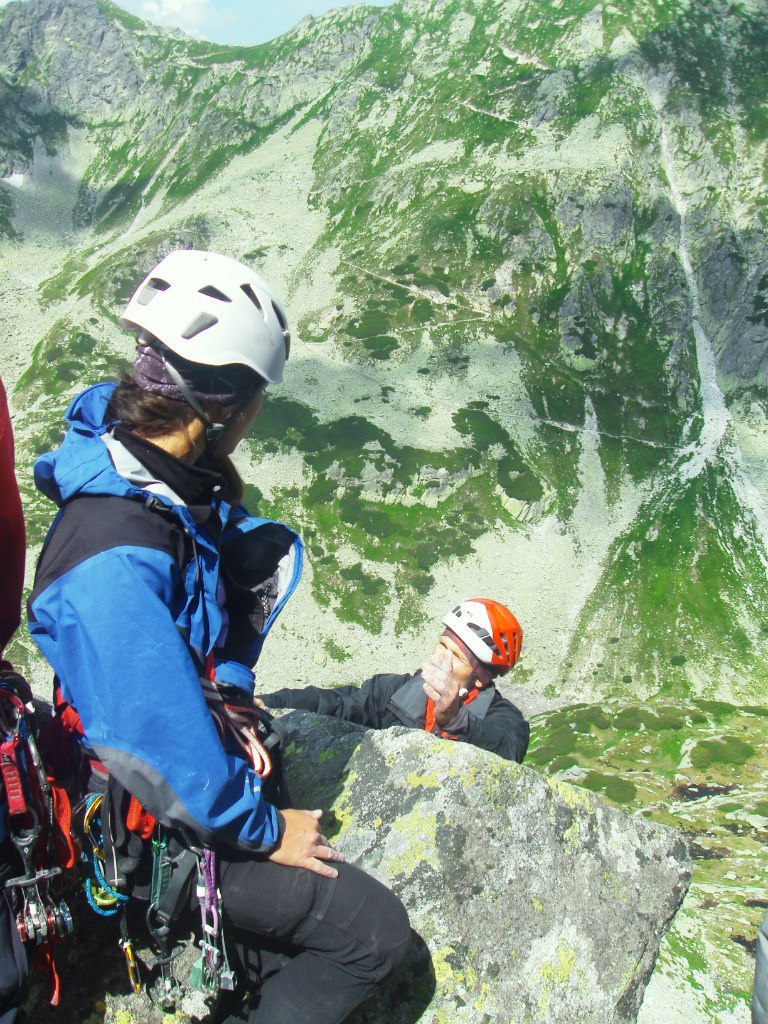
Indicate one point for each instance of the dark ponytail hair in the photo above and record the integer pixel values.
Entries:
(152, 416)
(145, 412)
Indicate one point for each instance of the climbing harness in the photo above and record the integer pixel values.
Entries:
(114, 828)
(103, 898)
(171, 880)
(241, 723)
(108, 861)
(175, 867)
(38, 824)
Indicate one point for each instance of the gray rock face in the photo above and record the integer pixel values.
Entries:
(537, 902)
(146, 94)
(54, 41)
(736, 313)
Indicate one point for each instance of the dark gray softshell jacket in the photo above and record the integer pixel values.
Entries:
(490, 721)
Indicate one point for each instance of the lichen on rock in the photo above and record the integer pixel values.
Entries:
(531, 900)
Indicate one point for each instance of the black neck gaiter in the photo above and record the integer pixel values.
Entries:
(196, 485)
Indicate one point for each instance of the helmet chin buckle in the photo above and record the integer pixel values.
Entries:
(213, 432)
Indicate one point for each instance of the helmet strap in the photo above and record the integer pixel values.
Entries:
(213, 431)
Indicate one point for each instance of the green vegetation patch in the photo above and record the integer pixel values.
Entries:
(513, 473)
(337, 509)
(111, 282)
(702, 768)
(335, 651)
(7, 230)
(122, 17)
(687, 584)
(617, 790)
(65, 356)
(730, 750)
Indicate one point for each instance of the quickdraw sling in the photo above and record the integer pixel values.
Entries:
(239, 723)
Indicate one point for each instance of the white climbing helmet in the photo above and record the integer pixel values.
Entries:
(210, 309)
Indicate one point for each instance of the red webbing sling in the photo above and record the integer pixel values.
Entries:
(429, 722)
(138, 819)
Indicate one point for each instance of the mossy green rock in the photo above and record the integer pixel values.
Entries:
(699, 766)
(537, 901)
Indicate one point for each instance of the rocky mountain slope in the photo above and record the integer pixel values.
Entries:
(698, 766)
(523, 246)
(528, 249)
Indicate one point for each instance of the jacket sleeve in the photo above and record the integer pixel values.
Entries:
(261, 564)
(364, 705)
(503, 731)
(107, 629)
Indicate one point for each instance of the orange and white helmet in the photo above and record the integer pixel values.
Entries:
(489, 630)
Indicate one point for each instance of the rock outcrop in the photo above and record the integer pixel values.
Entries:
(532, 901)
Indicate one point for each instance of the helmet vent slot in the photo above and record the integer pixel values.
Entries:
(253, 297)
(212, 292)
(201, 323)
(485, 636)
(150, 290)
(283, 327)
(280, 318)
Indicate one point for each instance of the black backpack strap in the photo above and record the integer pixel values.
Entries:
(175, 900)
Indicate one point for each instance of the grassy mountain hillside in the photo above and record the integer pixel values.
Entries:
(508, 223)
(523, 246)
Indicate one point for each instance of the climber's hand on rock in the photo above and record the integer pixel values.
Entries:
(303, 846)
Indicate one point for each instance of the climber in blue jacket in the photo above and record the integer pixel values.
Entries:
(153, 597)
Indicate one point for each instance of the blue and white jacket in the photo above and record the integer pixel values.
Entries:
(131, 596)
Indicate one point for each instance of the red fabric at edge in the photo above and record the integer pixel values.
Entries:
(12, 539)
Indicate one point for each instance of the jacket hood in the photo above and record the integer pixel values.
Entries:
(82, 464)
